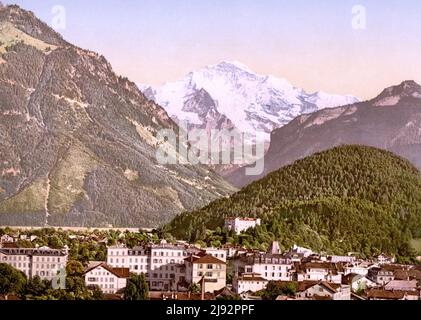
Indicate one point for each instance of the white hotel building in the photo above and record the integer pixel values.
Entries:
(160, 263)
(269, 266)
(239, 225)
(165, 265)
(43, 262)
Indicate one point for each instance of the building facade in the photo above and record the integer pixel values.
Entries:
(206, 270)
(239, 225)
(43, 262)
(108, 279)
(249, 283)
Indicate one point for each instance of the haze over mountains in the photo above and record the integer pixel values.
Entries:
(391, 121)
(78, 142)
(231, 96)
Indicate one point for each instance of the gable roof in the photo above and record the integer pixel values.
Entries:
(204, 259)
(118, 272)
(351, 278)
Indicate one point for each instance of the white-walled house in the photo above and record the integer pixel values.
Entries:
(208, 268)
(360, 268)
(319, 271)
(239, 225)
(269, 266)
(108, 279)
(220, 254)
(249, 283)
(324, 289)
(358, 282)
(6, 239)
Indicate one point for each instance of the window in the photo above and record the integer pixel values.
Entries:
(200, 274)
(210, 266)
(209, 274)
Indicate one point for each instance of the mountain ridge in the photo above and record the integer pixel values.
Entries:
(78, 141)
(389, 121)
(253, 103)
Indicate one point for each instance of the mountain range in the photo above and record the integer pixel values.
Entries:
(231, 96)
(391, 121)
(78, 142)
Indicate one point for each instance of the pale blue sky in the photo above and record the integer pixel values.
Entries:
(311, 43)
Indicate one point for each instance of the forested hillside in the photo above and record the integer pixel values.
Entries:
(350, 198)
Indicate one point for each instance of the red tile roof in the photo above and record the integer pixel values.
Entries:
(118, 272)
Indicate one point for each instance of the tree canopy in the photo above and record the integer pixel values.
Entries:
(350, 198)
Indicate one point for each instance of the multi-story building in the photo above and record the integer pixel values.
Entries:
(360, 268)
(384, 274)
(319, 271)
(239, 225)
(136, 260)
(323, 290)
(269, 266)
(249, 283)
(207, 271)
(160, 263)
(108, 279)
(163, 267)
(43, 262)
(220, 254)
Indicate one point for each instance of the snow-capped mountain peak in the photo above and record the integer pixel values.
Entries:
(240, 98)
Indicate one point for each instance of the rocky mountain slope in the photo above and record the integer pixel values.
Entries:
(391, 121)
(78, 143)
